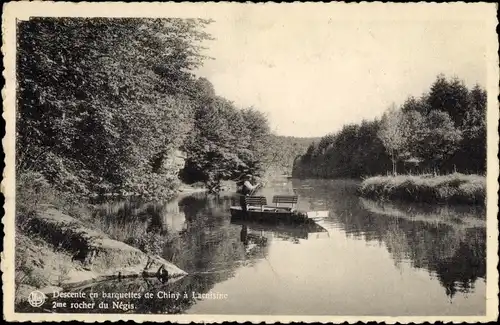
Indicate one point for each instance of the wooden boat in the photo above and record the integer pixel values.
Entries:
(258, 210)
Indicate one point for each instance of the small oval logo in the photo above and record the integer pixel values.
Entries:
(36, 298)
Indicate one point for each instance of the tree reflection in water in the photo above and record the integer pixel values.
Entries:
(208, 246)
(454, 252)
(449, 242)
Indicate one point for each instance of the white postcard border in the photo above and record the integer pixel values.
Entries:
(13, 11)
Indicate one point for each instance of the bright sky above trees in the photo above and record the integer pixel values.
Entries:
(311, 74)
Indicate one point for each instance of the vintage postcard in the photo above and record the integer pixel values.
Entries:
(211, 162)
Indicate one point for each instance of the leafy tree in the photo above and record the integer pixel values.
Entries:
(449, 96)
(308, 155)
(471, 155)
(439, 138)
(256, 128)
(418, 105)
(393, 134)
(354, 151)
(412, 124)
(101, 102)
(475, 118)
(224, 142)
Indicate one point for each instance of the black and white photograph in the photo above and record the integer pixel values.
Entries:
(262, 162)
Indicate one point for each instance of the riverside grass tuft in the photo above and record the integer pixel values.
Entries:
(453, 188)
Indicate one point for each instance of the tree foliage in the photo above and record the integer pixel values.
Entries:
(444, 129)
(103, 105)
(225, 142)
(347, 153)
(437, 140)
(394, 134)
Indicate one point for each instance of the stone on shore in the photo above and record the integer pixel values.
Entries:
(59, 250)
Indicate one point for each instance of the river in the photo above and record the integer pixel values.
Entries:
(371, 258)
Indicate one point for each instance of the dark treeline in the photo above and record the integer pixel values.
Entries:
(105, 105)
(442, 131)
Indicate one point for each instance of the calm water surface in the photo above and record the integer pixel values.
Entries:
(371, 258)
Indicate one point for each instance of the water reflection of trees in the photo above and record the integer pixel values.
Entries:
(209, 240)
(448, 242)
(208, 247)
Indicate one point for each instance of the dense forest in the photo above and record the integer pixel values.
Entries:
(104, 104)
(442, 131)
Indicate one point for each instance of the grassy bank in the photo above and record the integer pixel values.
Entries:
(452, 188)
(88, 241)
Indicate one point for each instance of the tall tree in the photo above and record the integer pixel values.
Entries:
(392, 134)
(472, 151)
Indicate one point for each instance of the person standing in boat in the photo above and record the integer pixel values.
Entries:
(245, 188)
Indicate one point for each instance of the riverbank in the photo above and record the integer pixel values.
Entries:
(55, 251)
(64, 240)
(453, 188)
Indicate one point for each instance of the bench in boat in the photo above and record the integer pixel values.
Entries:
(260, 203)
(258, 209)
(286, 199)
(256, 202)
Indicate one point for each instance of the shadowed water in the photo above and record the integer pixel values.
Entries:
(370, 258)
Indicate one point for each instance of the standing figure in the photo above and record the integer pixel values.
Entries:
(245, 188)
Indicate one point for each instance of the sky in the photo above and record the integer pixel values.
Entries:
(311, 74)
